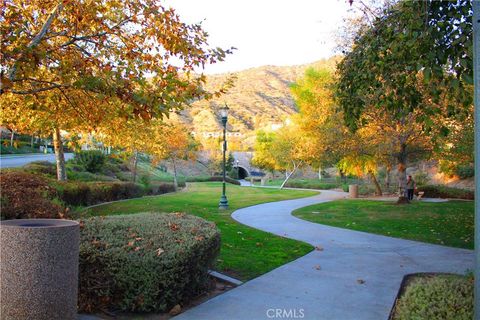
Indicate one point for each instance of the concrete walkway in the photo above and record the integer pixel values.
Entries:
(351, 275)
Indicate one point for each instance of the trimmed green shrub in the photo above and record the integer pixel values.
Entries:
(233, 173)
(87, 194)
(160, 188)
(421, 178)
(310, 184)
(26, 195)
(434, 191)
(43, 167)
(465, 171)
(214, 178)
(145, 262)
(436, 297)
(198, 179)
(227, 179)
(92, 160)
(87, 176)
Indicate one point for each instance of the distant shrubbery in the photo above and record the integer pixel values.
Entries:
(434, 191)
(465, 171)
(311, 184)
(436, 297)
(144, 262)
(92, 160)
(214, 178)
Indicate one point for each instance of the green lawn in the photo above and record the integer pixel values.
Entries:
(448, 223)
(246, 252)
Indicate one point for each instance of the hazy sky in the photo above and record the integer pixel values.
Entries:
(281, 32)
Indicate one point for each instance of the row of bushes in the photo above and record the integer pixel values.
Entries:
(145, 262)
(310, 184)
(90, 193)
(26, 195)
(437, 191)
(212, 178)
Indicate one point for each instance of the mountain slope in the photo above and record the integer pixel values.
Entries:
(260, 97)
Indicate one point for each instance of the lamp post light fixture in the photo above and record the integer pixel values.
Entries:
(223, 200)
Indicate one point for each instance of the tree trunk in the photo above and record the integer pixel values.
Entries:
(387, 176)
(288, 175)
(402, 174)
(31, 142)
(135, 163)
(378, 189)
(319, 173)
(59, 156)
(12, 135)
(175, 180)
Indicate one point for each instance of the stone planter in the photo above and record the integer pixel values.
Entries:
(353, 190)
(39, 269)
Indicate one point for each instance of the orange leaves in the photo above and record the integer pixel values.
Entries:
(100, 54)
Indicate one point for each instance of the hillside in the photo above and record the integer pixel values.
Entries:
(259, 98)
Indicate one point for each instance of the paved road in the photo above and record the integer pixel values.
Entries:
(18, 161)
(354, 275)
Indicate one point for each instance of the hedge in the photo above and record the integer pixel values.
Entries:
(25, 195)
(432, 191)
(436, 297)
(213, 178)
(144, 262)
(311, 184)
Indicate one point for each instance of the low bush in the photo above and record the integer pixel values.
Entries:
(227, 179)
(19, 150)
(92, 160)
(421, 178)
(233, 173)
(465, 171)
(198, 178)
(43, 167)
(87, 194)
(310, 184)
(26, 195)
(160, 188)
(212, 178)
(436, 297)
(434, 191)
(87, 176)
(144, 262)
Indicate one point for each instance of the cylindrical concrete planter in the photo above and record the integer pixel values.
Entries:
(39, 269)
(353, 190)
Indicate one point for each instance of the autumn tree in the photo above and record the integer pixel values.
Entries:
(136, 57)
(263, 157)
(323, 136)
(413, 58)
(279, 150)
(179, 145)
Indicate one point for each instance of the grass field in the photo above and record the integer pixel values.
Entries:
(246, 252)
(448, 223)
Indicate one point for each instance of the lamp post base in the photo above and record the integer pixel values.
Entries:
(223, 203)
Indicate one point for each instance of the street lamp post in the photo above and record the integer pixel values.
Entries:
(223, 200)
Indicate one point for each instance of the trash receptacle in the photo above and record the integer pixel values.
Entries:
(39, 269)
(353, 190)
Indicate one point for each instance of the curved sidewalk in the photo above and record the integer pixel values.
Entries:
(351, 274)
